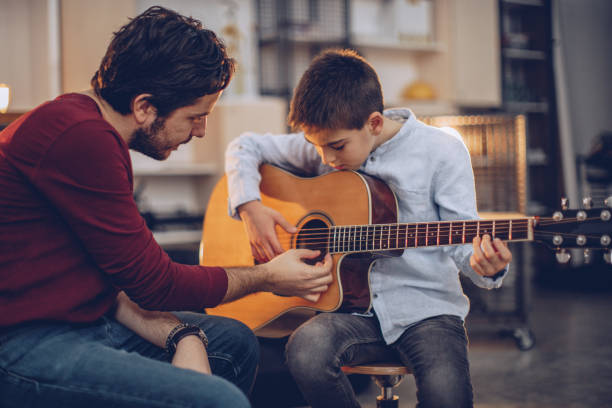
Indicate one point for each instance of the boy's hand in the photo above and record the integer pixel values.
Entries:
(489, 257)
(260, 224)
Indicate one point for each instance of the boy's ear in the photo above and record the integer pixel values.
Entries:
(375, 123)
(142, 110)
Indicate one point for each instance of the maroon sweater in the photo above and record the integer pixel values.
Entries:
(71, 235)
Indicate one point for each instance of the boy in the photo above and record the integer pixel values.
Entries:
(418, 304)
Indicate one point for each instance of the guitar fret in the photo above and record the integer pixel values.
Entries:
(397, 242)
(510, 230)
(387, 237)
(348, 238)
(360, 236)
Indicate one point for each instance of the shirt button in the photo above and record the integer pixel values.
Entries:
(372, 158)
(376, 296)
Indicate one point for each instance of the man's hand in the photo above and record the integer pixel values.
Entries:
(489, 257)
(260, 224)
(288, 275)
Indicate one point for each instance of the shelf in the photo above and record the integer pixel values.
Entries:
(518, 107)
(537, 157)
(392, 44)
(534, 3)
(174, 169)
(424, 107)
(518, 53)
(178, 237)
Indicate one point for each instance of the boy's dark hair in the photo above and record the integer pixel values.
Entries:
(165, 54)
(339, 90)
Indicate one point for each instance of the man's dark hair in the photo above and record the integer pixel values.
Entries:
(165, 54)
(339, 90)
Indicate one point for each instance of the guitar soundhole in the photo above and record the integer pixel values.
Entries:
(314, 235)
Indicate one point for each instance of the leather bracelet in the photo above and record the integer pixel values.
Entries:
(180, 331)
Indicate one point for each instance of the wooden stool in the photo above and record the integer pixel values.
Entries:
(386, 375)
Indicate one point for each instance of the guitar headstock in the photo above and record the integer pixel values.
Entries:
(588, 229)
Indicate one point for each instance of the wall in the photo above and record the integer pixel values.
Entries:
(586, 32)
(29, 46)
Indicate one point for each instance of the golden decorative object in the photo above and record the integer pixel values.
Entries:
(419, 90)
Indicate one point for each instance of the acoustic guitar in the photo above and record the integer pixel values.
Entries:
(353, 217)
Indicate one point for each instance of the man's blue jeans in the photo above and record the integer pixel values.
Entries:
(106, 365)
(435, 349)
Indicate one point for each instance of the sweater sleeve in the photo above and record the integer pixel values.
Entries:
(245, 154)
(86, 176)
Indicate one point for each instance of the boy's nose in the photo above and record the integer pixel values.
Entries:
(327, 156)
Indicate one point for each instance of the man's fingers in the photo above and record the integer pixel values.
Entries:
(307, 253)
(314, 297)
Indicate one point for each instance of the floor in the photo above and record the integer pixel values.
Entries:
(570, 365)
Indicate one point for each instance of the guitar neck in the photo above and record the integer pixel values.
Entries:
(386, 237)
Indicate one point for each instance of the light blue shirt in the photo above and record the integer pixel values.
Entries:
(430, 173)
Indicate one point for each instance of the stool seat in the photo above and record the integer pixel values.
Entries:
(377, 369)
(386, 375)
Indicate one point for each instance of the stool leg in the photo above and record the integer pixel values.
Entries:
(386, 399)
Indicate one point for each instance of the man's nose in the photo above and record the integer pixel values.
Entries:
(199, 129)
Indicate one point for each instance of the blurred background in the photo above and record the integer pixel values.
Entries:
(525, 82)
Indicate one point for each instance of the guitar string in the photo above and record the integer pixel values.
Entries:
(519, 225)
(322, 237)
(446, 240)
(473, 224)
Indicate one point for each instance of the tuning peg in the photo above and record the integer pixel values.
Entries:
(563, 256)
(608, 202)
(564, 203)
(588, 256)
(587, 203)
(608, 256)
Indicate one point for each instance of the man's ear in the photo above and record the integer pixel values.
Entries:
(375, 123)
(142, 110)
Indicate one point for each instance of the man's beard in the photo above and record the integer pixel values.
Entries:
(147, 141)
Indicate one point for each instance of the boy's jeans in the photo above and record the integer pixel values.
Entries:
(105, 365)
(435, 349)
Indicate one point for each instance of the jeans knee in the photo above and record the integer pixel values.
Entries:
(308, 351)
(226, 394)
(445, 390)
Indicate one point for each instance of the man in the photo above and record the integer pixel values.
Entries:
(77, 261)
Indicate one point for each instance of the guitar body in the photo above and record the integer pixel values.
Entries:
(338, 198)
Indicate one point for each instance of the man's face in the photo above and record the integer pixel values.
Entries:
(343, 149)
(166, 134)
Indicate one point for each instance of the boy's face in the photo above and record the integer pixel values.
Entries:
(343, 149)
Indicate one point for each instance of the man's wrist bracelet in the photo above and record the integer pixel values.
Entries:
(180, 331)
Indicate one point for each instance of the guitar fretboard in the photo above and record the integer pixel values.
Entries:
(386, 237)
